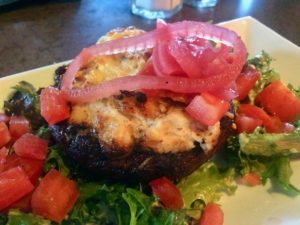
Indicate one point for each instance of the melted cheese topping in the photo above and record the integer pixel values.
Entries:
(158, 124)
(104, 68)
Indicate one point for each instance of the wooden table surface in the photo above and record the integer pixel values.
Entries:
(38, 33)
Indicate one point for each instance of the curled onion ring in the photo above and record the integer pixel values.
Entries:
(149, 40)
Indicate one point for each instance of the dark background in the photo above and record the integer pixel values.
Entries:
(38, 33)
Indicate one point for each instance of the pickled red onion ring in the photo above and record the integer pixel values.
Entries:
(146, 82)
(148, 40)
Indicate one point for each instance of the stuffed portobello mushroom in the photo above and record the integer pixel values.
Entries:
(135, 134)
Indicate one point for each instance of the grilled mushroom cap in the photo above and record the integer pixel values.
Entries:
(135, 136)
(82, 144)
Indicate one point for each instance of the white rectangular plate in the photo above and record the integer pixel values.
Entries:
(250, 205)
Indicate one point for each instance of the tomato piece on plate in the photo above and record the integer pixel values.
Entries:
(18, 125)
(32, 167)
(168, 193)
(5, 136)
(251, 179)
(212, 215)
(54, 106)
(228, 92)
(276, 126)
(24, 204)
(14, 184)
(3, 155)
(246, 81)
(279, 101)
(207, 109)
(31, 146)
(4, 118)
(271, 123)
(246, 124)
(54, 197)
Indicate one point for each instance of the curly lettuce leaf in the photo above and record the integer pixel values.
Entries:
(269, 144)
(25, 101)
(55, 160)
(275, 168)
(15, 217)
(3, 219)
(262, 62)
(118, 204)
(295, 90)
(206, 184)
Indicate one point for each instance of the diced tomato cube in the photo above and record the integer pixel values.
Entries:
(246, 124)
(31, 146)
(14, 184)
(212, 215)
(253, 112)
(54, 107)
(276, 126)
(18, 125)
(3, 155)
(227, 92)
(168, 193)
(24, 204)
(207, 109)
(251, 179)
(32, 167)
(271, 123)
(279, 101)
(4, 118)
(5, 136)
(245, 82)
(54, 197)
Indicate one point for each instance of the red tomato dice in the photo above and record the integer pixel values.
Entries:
(278, 100)
(246, 124)
(212, 215)
(245, 82)
(54, 197)
(227, 92)
(31, 146)
(251, 179)
(54, 107)
(271, 123)
(18, 125)
(4, 118)
(5, 136)
(14, 184)
(3, 155)
(24, 204)
(167, 192)
(32, 167)
(277, 126)
(207, 109)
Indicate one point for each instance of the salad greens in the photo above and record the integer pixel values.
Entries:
(206, 184)
(275, 168)
(103, 202)
(270, 144)
(25, 101)
(262, 62)
(15, 217)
